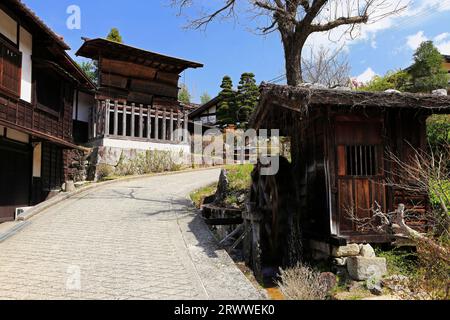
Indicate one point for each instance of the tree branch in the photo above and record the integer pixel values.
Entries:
(339, 22)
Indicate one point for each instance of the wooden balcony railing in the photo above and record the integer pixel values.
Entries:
(138, 122)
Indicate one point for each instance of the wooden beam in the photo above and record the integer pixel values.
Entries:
(156, 123)
(94, 119)
(224, 221)
(149, 122)
(186, 128)
(124, 120)
(107, 115)
(133, 118)
(164, 128)
(141, 121)
(171, 124)
(178, 126)
(116, 118)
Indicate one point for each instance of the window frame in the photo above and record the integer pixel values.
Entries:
(8, 45)
(37, 70)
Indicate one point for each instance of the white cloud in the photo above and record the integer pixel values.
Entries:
(444, 47)
(415, 14)
(366, 76)
(441, 37)
(440, 41)
(415, 40)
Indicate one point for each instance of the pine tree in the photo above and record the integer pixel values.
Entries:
(247, 97)
(184, 96)
(205, 98)
(427, 72)
(114, 35)
(226, 111)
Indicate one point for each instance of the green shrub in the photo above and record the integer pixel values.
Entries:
(438, 131)
(399, 261)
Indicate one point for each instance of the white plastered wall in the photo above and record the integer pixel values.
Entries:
(26, 47)
(85, 103)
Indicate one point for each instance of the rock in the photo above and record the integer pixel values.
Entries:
(374, 285)
(376, 290)
(222, 187)
(329, 279)
(367, 251)
(392, 91)
(340, 261)
(313, 85)
(362, 268)
(397, 283)
(346, 251)
(440, 92)
(69, 186)
(341, 88)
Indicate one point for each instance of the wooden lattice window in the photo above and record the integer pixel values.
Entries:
(361, 160)
(10, 68)
(358, 160)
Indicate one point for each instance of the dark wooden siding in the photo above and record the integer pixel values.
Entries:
(15, 173)
(52, 173)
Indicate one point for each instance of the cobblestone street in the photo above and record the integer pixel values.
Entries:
(135, 239)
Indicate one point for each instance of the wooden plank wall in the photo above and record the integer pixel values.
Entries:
(135, 82)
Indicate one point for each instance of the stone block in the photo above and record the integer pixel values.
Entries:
(346, 251)
(69, 186)
(367, 251)
(440, 92)
(340, 261)
(362, 268)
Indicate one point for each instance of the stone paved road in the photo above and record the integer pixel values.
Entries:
(130, 240)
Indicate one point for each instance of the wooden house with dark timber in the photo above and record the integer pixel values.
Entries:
(137, 103)
(339, 144)
(37, 84)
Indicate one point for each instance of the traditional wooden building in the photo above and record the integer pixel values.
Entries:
(339, 142)
(137, 98)
(447, 67)
(206, 113)
(37, 84)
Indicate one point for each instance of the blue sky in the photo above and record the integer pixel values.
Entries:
(230, 48)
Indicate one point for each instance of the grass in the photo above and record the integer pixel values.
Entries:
(399, 261)
(198, 196)
(239, 178)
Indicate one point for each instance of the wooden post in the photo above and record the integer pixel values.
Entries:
(171, 124)
(164, 128)
(156, 123)
(107, 115)
(149, 122)
(133, 116)
(124, 120)
(178, 126)
(141, 121)
(186, 128)
(116, 118)
(94, 120)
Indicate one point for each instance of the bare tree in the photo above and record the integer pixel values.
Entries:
(296, 20)
(327, 66)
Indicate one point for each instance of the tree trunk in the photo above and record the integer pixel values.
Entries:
(293, 56)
